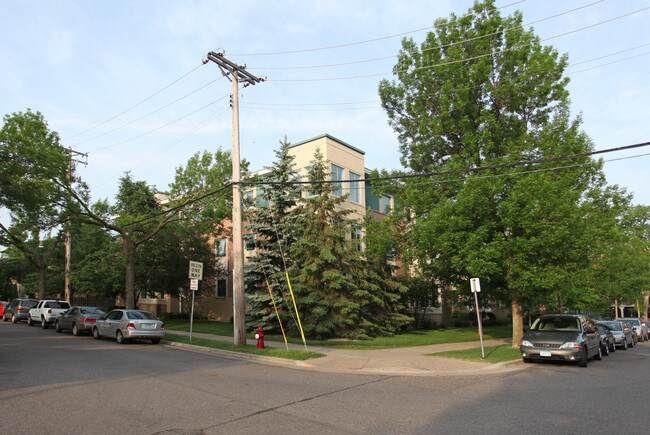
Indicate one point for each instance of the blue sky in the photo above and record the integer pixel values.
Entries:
(81, 63)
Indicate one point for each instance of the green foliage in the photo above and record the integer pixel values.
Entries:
(206, 174)
(339, 293)
(271, 221)
(482, 92)
(33, 176)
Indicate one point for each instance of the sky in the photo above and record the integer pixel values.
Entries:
(123, 81)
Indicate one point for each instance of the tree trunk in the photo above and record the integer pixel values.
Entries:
(517, 323)
(646, 302)
(616, 308)
(42, 269)
(445, 306)
(129, 271)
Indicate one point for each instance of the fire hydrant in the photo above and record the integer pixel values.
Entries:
(259, 336)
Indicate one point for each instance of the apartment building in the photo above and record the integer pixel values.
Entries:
(348, 175)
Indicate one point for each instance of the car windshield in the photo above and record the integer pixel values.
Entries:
(30, 303)
(141, 315)
(633, 322)
(59, 304)
(556, 324)
(614, 326)
(602, 329)
(92, 310)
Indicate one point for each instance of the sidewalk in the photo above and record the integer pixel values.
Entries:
(398, 361)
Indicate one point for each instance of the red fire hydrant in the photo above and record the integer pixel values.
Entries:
(259, 336)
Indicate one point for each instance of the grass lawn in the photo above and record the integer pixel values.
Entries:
(493, 354)
(292, 354)
(406, 339)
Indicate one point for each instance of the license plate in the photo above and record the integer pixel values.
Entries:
(545, 353)
(148, 326)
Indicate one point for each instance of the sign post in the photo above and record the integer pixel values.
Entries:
(195, 275)
(475, 285)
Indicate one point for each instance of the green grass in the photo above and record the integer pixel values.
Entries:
(493, 354)
(292, 354)
(406, 339)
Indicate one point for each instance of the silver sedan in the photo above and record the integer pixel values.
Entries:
(78, 319)
(128, 324)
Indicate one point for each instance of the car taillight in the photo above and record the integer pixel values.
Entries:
(22, 309)
(130, 326)
(89, 320)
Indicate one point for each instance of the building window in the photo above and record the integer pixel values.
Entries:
(262, 196)
(249, 242)
(221, 290)
(384, 203)
(356, 235)
(337, 176)
(220, 247)
(355, 187)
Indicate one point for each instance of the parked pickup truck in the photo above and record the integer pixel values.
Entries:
(46, 312)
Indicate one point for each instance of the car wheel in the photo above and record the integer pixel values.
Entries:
(582, 362)
(57, 327)
(43, 323)
(75, 330)
(155, 340)
(30, 322)
(13, 319)
(119, 337)
(96, 334)
(599, 355)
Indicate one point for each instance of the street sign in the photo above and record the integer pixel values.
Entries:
(196, 270)
(194, 284)
(475, 284)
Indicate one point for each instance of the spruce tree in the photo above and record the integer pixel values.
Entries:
(271, 228)
(327, 268)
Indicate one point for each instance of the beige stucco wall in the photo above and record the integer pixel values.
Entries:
(342, 155)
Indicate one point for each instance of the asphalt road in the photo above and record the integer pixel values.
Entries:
(60, 384)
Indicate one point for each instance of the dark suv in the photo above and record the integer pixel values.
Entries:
(18, 309)
(562, 337)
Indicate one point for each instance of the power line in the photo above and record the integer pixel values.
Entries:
(148, 114)
(367, 41)
(451, 44)
(159, 127)
(459, 171)
(136, 104)
(458, 60)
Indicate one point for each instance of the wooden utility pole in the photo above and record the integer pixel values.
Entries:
(68, 240)
(236, 73)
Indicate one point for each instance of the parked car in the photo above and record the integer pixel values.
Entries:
(128, 324)
(561, 337)
(3, 304)
(639, 326)
(607, 341)
(622, 332)
(78, 319)
(18, 309)
(46, 312)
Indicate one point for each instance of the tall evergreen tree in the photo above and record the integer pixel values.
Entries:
(271, 227)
